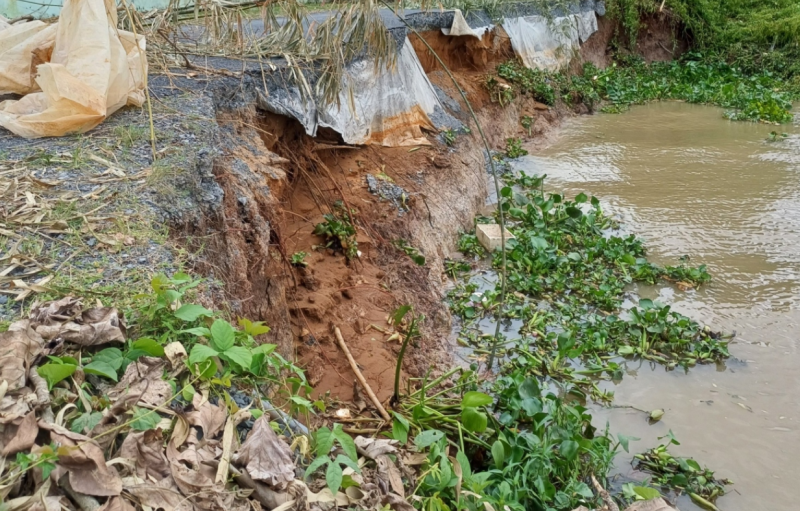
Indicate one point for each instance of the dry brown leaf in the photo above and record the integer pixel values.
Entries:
(48, 504)
(265, 456)
(83, 458)
(396, 502)
(374, 447)
(25, 435)
(18, 347)
(199, 489)
(208, 417)
(143, 377)
(116, 504)
(161, 495)
(147, 451)
(93, 327)
(389, 472)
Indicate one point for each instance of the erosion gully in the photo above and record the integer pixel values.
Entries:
(690, 182)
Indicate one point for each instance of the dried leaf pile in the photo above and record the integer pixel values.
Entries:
(147, 449)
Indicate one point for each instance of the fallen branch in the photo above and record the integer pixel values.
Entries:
(360, 376)
(612, 506)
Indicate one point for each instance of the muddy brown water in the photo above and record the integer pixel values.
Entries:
(691, 182)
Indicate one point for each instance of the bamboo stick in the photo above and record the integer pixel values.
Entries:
(360, 376)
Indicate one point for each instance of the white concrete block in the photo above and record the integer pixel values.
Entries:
(489, 236)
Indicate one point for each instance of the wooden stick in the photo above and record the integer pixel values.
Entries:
(612, 506)
(360, 376)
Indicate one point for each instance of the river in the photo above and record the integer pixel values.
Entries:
(689, 181)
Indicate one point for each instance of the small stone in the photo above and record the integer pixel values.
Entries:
(3, 299)
(91, 242)
(142, 260)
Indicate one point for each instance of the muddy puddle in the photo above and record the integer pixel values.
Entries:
(691, 182)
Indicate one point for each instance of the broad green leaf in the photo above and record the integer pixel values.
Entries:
(266, 349)
(253, 328)
(256, 413)
(86, 422)
(239, 355)
(222, 335)
(188, 393)
(399, 432)
(318, 462)
(190, 312)
(569, 449)
(474, 399)
(101, 369)
(428, 438)
(573, 212)
(656, 415)
(149, 346)
(623, 440)
(581, 198)
(54, 373)
(324, 441)
(646, 493)
(111, 356)
(498, 454)
(344, 460)
(199, 331)
(473, 420)
(646, 303)
(529, 389)
(346, 441)
(333, 476)
(200, 353)
(506, 191)
(144, 419)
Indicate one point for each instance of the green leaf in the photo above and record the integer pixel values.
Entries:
(418, 259)
(318, 462)
(239, 355)
(474, 399)
(466, 470)
(333, 476)
(646, 303)
(428, 438)
(222, 335)
(399, 432)
(47, 467)
(569, 449)
(581, 198)
(646, 493)
(348, 446)
(529, 389)
(86, 422)
(54, 373)
(111, 356)
(473, 420)
(190, 312)
(623, 441)
(399, 314)
(344, 460)
(144, 420)
(253, 328)
(324, 441)
(101, 369)
(498, 454)
(256, 413)
(149, 346)
(656, 415)
(199, 331)
(188, 393)
(573, 212)
(506, 191)
(200, 353)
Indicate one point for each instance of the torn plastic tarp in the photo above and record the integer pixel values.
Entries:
(549, 43)
(461, 27)
(388, 107)
(94, 70)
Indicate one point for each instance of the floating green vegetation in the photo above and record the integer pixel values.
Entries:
(763, 96)
(681, 474)
(568, 267)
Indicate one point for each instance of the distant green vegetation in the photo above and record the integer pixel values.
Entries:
(762, 96)
(754, 35)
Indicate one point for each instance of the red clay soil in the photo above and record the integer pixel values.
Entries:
(270, 212)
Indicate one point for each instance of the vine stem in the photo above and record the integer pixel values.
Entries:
(500, 213)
